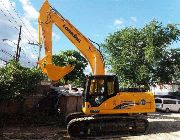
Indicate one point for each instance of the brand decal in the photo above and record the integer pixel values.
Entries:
(126, 104)
(75, 36)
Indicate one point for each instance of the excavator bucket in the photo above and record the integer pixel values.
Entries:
(54, 72)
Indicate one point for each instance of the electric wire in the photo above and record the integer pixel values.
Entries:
(8, 11)
(15, 21)
(9, 19)
(23, 51)
(2, 59)
(21, 20)
(25, 35)
(5, 52)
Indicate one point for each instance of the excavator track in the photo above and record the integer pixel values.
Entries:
(90, 127)
(72, 116)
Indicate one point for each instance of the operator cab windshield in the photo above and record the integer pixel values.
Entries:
(96, 87)
(100, 89)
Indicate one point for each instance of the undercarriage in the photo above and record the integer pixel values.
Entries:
(83, 126)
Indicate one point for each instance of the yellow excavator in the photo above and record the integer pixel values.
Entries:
(106, 110)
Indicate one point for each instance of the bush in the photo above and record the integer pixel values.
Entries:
(17, 82)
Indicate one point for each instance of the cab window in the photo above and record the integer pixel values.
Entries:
(97, 87)
(110, 87)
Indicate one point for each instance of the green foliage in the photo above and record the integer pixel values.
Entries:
(77, 76)
(16, 82)
(141, 56)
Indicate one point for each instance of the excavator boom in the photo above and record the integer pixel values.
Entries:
(49, 16)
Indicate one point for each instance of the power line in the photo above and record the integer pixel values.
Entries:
(12, 23)
(21, 20)
(22, 60)
(15, 21)
(23, 51)
(21, 47)
(8, 19)
(5, 52)
(3, 60)
(32, 50)
(40, 47)
(12, 18)
(8, 12)
(25, 59)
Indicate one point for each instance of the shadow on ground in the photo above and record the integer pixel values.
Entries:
(159, 123)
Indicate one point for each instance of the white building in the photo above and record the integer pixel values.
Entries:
(164, 89)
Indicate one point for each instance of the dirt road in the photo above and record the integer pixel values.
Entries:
(162, 126)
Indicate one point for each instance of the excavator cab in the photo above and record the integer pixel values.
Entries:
(100, 88)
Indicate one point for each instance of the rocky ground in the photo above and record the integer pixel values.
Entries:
(163, 126)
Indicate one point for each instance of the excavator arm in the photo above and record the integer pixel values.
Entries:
(49, 16)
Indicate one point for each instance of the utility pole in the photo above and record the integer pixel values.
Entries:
(40, 47)
(18, 47)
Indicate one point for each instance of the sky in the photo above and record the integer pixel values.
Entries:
(96, 19)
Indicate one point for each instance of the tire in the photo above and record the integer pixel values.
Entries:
(167, 110)
(179, 110)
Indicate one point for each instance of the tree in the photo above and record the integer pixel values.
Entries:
(142, 56)
(77, 76)
(17, 82)
(168, 69)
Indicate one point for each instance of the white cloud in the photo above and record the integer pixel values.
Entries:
(5, 5)
(6, 21)
(30, 15)
(2, 64)
(87, 70)
(30, 11)
(134, 19)
(118, 22)
(56, 37)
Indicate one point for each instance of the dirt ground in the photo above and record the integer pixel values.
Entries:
(162, 126)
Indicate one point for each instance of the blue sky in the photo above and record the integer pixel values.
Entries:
(97, 18)
(94, 18)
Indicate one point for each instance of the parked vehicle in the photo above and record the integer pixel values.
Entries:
(167, 104)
